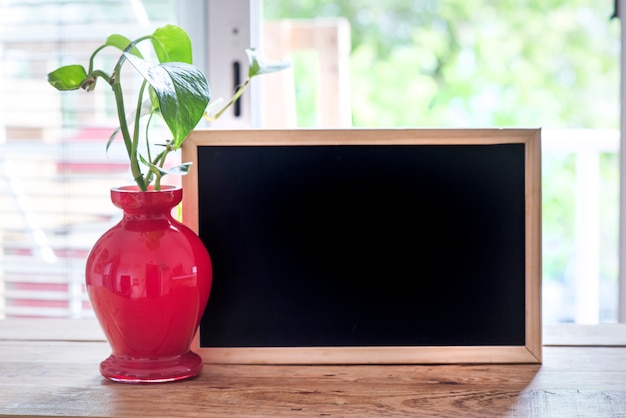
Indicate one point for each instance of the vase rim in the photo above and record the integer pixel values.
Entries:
(135, 189)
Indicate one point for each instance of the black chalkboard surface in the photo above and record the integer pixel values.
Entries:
(330, 244)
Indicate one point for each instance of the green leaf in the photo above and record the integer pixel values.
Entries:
(179, 170)
(68, 77)
(182, 91)
(121, 42)
(172, 44)
(112, 138)
(256, 65)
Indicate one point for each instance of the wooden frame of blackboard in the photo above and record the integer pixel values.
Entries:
(527, 352)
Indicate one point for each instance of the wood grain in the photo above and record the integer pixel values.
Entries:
(531, 138)
(425, 136)
(61, 378)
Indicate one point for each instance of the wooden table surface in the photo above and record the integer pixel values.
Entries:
(50, 368)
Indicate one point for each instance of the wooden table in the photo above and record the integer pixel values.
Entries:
(50, 368)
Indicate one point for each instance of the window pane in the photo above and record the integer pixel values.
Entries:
(450, 63)
(54, 170)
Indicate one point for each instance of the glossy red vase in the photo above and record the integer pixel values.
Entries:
(148, 280)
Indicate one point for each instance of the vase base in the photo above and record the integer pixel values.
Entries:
(150, 370)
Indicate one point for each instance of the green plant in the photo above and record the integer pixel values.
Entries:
(176, 90)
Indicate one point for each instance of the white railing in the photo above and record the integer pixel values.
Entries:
(587, 146)
(49, 219)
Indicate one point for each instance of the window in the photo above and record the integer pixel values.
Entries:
(447, 63)
(53, 166)
(359, 63)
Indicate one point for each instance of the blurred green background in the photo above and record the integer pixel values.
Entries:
(552, 64)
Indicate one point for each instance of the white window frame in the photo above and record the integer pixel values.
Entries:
(221, 31)
(621, 302)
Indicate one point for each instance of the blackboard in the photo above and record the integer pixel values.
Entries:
(368, 246)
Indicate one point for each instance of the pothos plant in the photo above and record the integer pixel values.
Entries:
(171, 87)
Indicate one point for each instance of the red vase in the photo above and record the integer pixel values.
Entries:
(148, 280)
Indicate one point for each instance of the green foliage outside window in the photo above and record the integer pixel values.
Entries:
(477, 62)
(486, 63)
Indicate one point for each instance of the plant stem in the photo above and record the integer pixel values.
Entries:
(93, 56)
(136, 128)
(121, 113)
(147, 136)
(157, 183)
(235, 97)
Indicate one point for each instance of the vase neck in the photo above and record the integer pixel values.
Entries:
(146, 203)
